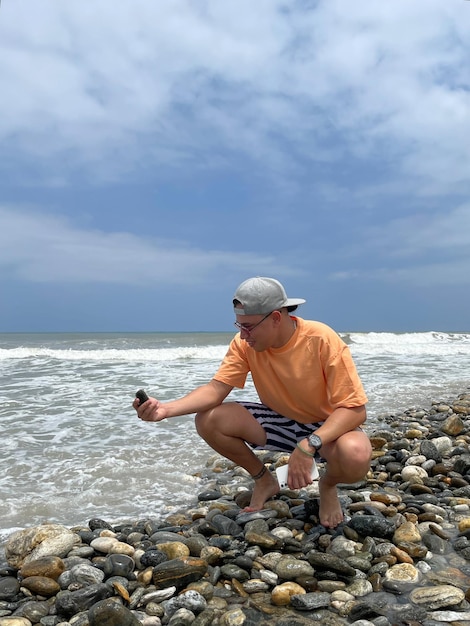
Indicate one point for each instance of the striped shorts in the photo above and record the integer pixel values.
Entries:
(282, 433)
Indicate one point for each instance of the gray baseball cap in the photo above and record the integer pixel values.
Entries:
(260, 296)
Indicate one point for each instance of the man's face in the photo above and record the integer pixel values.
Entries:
(256, 330)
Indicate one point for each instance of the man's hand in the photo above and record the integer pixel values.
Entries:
(300, 470)
(150, 411)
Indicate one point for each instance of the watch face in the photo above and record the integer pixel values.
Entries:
(314, 441)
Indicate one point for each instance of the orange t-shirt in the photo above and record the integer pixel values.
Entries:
(305, 380)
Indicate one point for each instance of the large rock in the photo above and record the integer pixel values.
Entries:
(37, 542)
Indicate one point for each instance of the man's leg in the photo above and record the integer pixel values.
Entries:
(348, 460)
(226, 428)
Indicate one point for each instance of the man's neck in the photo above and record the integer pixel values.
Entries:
(286, 330)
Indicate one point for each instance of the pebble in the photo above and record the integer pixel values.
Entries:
(118, 565)
(438, 596)
(401, 557)
(49, 566)
(111, 613)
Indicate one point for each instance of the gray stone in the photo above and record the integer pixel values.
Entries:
(257, 533)
(359, 562)
(342, 547)
(230, 571)
(320, 560)
(9, 587)
(163, 536)
(207, 496)
(310, 601)
(86, 574)
(182, 617)
(225, 525)
(68, 603)
(157, 596)
(371, 525)
(443, 445)
(190, 600)
(119, 565)
(450, 616)
(148, 620)
(99, 524)
(234, 617)
(153, 557)
(81, 619)
(359, 588)
(109, 612)
(430, 451)
(34, 611)
(436, 544)
(265, 514)
(290, 568)
(50, 620)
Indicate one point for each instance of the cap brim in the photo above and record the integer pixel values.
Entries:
(295, 301)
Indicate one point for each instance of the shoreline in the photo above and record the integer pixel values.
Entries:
(74, 450)
(402, 555)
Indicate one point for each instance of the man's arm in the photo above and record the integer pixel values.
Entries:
(201, 399)
(341, 421)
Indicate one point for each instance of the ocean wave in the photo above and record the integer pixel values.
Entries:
(68, 425)
(426, 343)
(423, 337)
(130, 355)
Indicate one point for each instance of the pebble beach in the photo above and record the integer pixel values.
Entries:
(401, 557)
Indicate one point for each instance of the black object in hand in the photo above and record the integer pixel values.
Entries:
(142, 396)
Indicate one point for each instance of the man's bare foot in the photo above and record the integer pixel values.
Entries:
(265, 487)
(331, 513)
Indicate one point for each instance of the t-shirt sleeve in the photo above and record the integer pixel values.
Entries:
(343, 383)
(234, 368)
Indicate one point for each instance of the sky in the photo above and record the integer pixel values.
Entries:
(153, 155)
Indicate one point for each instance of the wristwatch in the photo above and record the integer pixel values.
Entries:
(314, 441)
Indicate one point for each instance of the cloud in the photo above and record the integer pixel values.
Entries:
(440, 274)
(419, 249)
(36, 247)
(420, 234)
(191, 143)
(121, 89)
(41, 248)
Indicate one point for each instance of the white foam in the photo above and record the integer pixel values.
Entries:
(125, 356)
(410, 344)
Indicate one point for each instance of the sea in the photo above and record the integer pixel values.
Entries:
(73, 448)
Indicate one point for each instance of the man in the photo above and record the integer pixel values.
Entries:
(312, 401)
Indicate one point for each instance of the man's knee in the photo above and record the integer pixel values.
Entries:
(211, 420)
(353, 450)
(360, 450)
(203, 421)
(229, 419)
